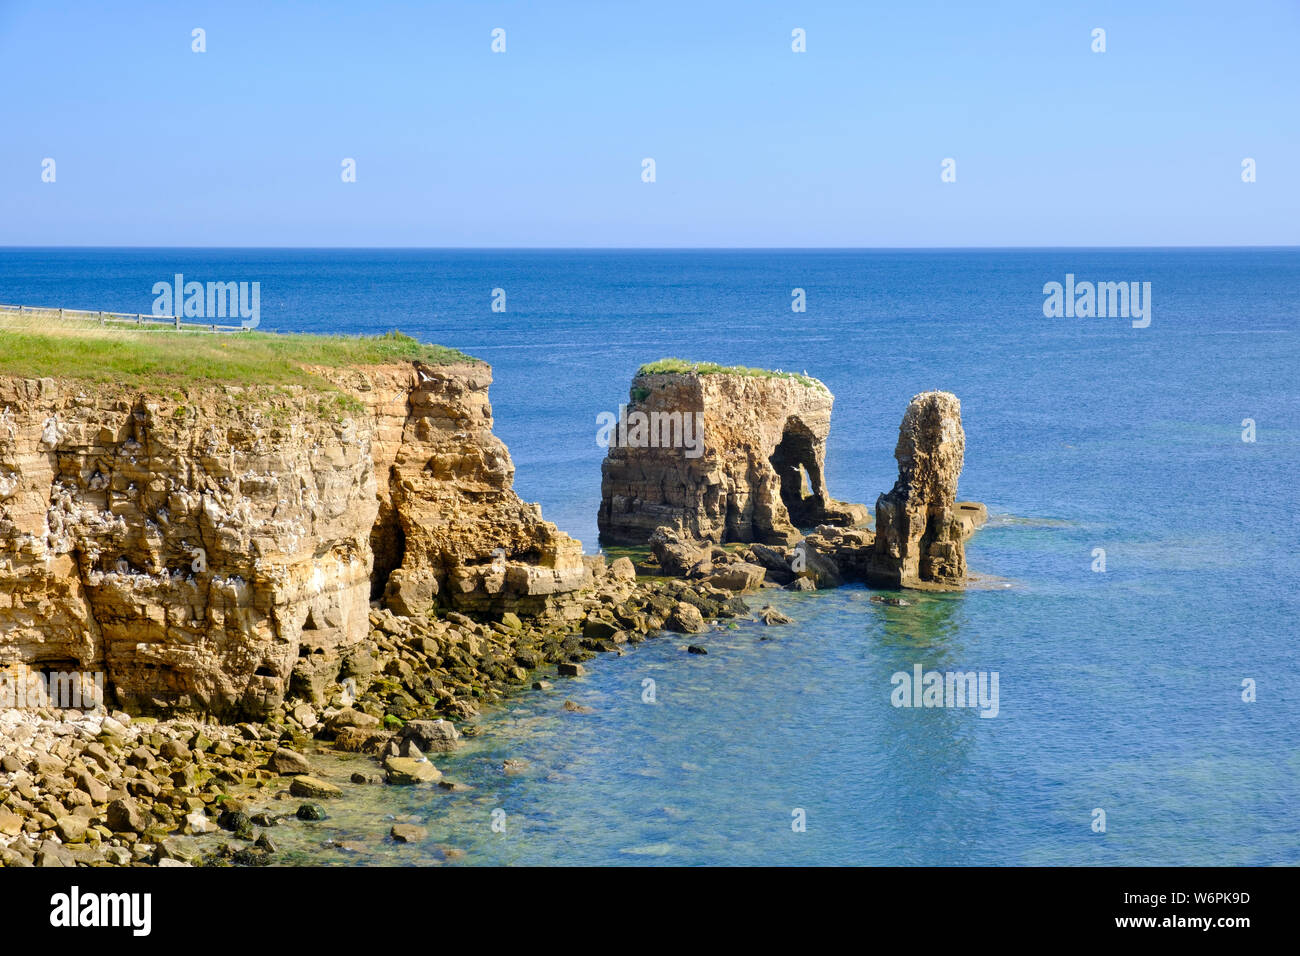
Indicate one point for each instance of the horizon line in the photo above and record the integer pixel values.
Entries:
(612, 248)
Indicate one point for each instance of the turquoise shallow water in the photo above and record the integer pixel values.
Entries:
(1118, 691)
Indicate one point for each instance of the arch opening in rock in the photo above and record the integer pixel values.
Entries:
(795, 462)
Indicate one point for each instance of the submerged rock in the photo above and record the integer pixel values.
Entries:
(408, 833)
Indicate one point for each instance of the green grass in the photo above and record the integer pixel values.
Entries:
(682, 366)
(165, 357)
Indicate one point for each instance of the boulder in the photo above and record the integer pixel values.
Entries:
(313, 788)
(125, 816)
(622, 569)
(288, 762)
(432, 736)
(92, 787)
(686, 619)
(738, 577)
(410, 593)
(676, 555)
(72, 828)
(404, 771)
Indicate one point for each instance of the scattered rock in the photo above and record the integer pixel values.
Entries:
(71, 829)
(770, 615)
(235, 821)
(738, 577)
(90, 786)
(289, 763)
(676, 555)
(686, 619)
(174, 750)
(125, 816)
(432, 736)
(313, 788)
(403, 771)
(198, 823)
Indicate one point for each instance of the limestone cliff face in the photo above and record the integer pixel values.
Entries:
(921, 529)
(451, 530)
(210, 550)
(754, 473)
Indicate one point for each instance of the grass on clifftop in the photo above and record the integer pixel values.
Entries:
(90, 352)
(676, 365)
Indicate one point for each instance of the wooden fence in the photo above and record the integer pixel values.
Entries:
(138, 320)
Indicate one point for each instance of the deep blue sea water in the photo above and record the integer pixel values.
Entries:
(1118, 690)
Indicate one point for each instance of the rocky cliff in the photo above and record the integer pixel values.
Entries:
(212, 550)
(720, 456)
(921, 528)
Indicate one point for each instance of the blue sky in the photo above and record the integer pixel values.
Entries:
(754, 145)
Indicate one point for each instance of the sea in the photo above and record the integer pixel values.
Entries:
(1143, 549)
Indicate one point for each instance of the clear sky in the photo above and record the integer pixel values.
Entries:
(754, 145)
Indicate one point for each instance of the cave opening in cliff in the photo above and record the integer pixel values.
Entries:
(388, 542)
(795, 463)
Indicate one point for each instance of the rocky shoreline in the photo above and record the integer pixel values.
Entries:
(106, 789)
(267, 578)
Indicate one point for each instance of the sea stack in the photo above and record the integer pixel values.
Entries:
(719, 455)
(921, 528)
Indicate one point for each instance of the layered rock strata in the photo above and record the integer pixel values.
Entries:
(211, 550)
(918, 542)
(94, 789)
(720, 457)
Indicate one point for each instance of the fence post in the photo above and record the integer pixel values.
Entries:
(178, 323)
